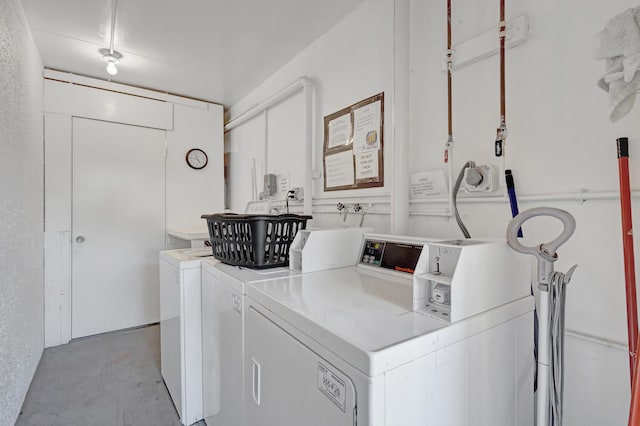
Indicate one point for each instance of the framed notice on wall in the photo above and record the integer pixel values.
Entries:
(353, 144)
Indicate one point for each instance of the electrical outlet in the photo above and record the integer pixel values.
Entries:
(480, 179)
(297, 193)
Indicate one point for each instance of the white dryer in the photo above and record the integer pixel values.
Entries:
(346, 347)
(180, 329)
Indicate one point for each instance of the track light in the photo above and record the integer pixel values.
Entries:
(112, 58)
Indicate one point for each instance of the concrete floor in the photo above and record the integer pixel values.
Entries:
(107, 380)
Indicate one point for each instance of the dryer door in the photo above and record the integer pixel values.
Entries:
(287, 384)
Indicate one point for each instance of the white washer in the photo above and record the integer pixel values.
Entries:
(180, 329)
(223, 299)
(223, 290)
(345, 347)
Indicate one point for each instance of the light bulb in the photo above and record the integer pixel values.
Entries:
(111, 68)
(112, 58)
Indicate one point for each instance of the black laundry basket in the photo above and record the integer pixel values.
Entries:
(253, 241)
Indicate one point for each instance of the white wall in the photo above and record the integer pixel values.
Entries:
(351, 62)
(21, 210)
(560, 141)
(192, 193)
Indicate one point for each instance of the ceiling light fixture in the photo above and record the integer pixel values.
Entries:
(112, 56)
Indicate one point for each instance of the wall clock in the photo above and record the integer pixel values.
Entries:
(197, 159)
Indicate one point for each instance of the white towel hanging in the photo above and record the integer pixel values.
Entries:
(619, 45)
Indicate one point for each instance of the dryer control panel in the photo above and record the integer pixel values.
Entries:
(396, 256)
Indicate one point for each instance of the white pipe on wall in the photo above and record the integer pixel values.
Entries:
(400, 120)
(302, 83)
(254, 181)
(599, 340)
(431, 212)
(368, 199)
(450, 157)
(580, 196)
(265, 144)
(385, 199)
(308, 148)
(277, 97)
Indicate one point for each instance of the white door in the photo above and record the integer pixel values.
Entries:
(287, 384)
(118, 225)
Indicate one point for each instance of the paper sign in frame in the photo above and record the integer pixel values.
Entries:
(371, 182)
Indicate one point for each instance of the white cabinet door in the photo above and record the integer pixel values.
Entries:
(118, 225)
(287, 384)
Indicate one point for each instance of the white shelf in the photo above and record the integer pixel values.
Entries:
(439, 278)
(189, 234)
(487, 44)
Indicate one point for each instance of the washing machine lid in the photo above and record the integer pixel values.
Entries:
(367, 318)
(240, 275)
(186, 258)
(208, 263)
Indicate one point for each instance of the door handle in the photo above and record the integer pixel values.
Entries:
(79, 239)
(255, 380)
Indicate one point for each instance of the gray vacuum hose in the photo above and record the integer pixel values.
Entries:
(456, 188)
(553, 296)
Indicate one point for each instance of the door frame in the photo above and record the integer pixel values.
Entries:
(62, 102)
(67, 95)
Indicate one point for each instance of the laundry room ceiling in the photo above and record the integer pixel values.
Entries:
(216, 50)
